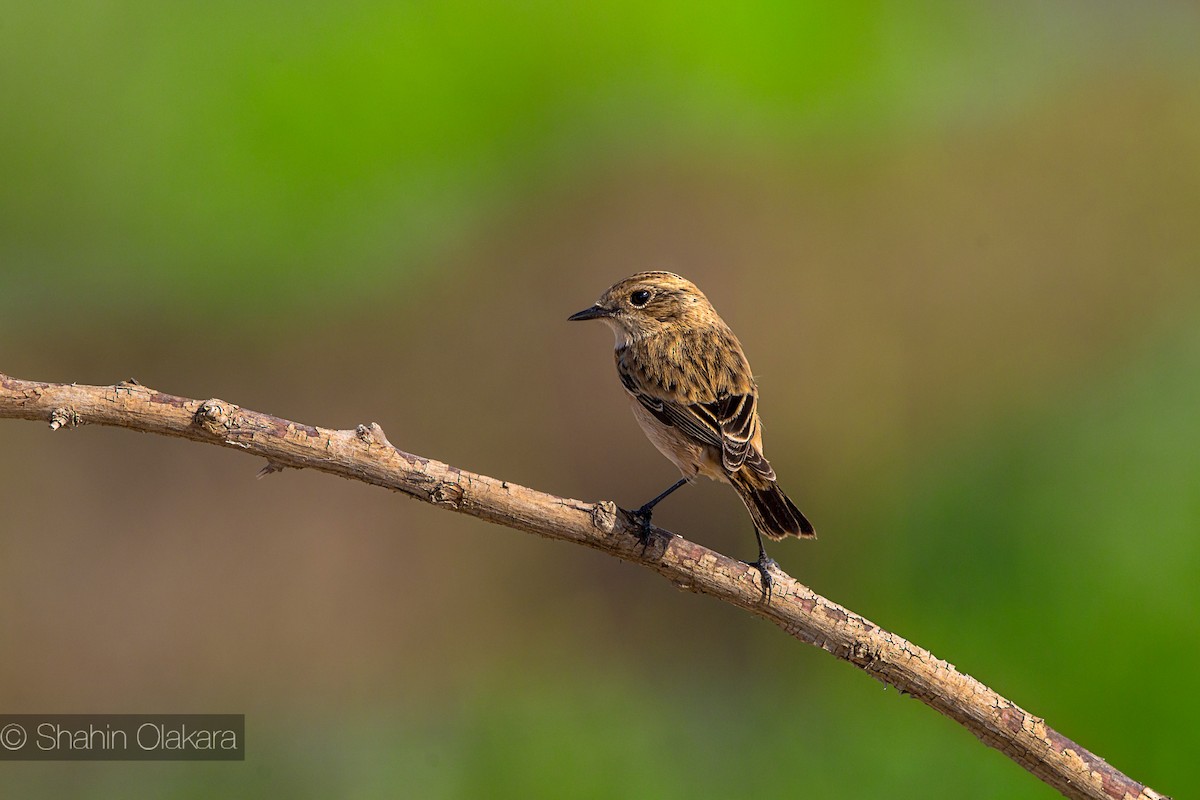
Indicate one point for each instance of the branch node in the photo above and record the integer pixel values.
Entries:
(604, 515)
(864, 654)
(373, 434)
(64, 417)
(446, 493)
(213, 417)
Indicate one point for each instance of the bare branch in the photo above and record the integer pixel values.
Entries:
(365, 454)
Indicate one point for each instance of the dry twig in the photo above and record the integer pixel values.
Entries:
(365, 454)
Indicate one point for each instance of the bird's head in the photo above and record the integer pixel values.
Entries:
(647, 304)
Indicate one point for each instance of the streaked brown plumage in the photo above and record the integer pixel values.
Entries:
(693, 393)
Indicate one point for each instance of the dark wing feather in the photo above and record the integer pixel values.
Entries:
(738, 425)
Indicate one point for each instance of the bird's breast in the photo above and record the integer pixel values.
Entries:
(692, 458)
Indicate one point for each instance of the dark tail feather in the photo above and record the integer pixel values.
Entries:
(774, 514)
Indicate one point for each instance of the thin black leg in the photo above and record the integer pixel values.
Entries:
(763, 565)
(645, 510)
(642, 515)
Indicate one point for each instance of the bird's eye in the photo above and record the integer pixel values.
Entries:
(640, 298)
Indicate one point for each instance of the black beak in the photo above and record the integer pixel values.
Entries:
(591, 312)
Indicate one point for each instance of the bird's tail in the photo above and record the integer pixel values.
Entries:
(774, 514)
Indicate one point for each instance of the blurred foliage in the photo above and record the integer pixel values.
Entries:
(222, 154)
(959, 242)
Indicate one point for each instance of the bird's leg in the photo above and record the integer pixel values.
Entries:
(642, 515)
(763, 565)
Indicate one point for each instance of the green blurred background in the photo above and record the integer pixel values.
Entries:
(959, 243)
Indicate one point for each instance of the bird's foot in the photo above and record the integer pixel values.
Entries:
(645, 532)
(764, 565)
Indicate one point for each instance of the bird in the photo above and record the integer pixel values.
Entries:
(695, 398)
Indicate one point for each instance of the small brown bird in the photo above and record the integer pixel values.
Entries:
(694, 396)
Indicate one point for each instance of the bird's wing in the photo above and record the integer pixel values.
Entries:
(729, 423)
